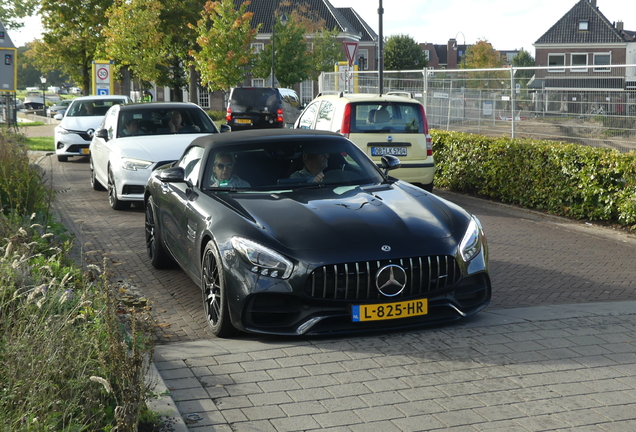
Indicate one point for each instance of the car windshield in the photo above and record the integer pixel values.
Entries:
(289, 166)
(89, 108)
(163, 120)
(395, 117)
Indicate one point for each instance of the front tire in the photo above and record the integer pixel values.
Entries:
(115, 203)
(95, 184)
(159, 256)
(61, 158)
(214, 289)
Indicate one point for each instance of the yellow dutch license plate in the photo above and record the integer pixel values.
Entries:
(85, 151)
(387, 311)
(244, 121)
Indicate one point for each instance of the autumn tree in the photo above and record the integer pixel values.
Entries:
(133, 39)
(224, 36)
(402, 52)
(12, 12)
(482, 55)
(325, 53)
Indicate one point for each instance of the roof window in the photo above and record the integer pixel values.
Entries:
(584, 25)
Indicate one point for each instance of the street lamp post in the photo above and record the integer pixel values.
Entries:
(455, 47)
(43, 81)
(283, 21)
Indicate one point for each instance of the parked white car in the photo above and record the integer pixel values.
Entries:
(135, 139)
(74, 133)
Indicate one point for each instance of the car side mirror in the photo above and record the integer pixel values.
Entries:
(172, 175)
(58, 116)
(102, 133)
(390, 163)
(226, 128)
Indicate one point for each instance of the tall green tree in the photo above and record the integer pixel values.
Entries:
(325, 53)
(523, 59)
(12, 12)
(292, 61)
(402, 52)
(133, 38)
(224, 36)
(73, 32)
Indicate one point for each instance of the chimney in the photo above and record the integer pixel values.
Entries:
(451, 54)
(619, 25)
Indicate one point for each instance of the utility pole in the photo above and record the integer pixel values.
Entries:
(380, 50)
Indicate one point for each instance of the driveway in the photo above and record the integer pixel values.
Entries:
(553, 351)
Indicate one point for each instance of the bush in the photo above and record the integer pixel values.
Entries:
(563, 179)
(67, 362)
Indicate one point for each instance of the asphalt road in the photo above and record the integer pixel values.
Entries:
(535, 259)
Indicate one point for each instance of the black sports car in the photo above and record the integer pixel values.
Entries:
(281, 244)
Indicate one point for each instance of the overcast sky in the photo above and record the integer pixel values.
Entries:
(506, 24)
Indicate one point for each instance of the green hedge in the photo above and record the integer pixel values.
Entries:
(569, 180)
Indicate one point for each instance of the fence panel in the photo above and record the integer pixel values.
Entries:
(591, 105)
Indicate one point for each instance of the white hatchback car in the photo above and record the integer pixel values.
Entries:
(379, 125)
(74, 133)
(135, 139)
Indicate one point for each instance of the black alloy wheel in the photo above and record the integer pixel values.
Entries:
(215, 293)
(159, 256)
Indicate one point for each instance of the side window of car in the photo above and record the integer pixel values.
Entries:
(191, 164)
(325, 115)
(110, 123)
(307, 118)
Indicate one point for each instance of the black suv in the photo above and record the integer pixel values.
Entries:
(262, 107)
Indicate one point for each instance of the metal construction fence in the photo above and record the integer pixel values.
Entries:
(590, 105)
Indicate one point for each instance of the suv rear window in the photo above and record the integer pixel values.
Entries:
(392, 117)
(254, 99)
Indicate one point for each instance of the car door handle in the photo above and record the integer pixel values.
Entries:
(165, 188)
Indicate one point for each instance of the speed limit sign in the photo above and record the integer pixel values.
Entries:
(102, 74)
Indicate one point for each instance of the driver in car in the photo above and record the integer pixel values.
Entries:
(315, 163)
(223, 170)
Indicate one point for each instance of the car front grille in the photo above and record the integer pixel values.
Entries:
(356, 281)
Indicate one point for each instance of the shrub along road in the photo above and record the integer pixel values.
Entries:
(535, 259)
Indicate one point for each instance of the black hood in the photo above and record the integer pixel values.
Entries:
(349, 216)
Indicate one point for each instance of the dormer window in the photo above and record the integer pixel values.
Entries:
(584, 25)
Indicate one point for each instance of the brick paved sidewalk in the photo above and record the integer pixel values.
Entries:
(552, 368)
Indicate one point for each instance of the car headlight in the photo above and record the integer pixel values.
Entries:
(134, 164)
(61, 130)
(471, 243)
(263, 260)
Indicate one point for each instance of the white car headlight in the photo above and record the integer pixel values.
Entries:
(471, 243)
(134, 164)
(264, 261)
(61, 130)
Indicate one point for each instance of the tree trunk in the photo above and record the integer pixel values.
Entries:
(194, 87)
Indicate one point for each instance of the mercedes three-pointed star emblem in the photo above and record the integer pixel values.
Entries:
(390, 280)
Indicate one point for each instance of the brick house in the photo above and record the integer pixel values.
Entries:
(582, 49)
(447, 56)
(351, 27)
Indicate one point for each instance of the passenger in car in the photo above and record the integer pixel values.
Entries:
(132, 128)
(223, 172)
(314, 163)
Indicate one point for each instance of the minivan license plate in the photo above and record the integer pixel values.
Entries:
(393, 151)
(243, 121)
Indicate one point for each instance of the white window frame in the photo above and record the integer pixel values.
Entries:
(603, 67)
(258, 82)
(204, 98)
(556, 68)
(364, 53)
(579, 69)
(427, 54)
(257, 47)
(584, 25)
(306, 92)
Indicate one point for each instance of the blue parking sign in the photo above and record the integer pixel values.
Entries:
(102, 92)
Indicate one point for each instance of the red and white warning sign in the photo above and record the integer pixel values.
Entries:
(351, 48)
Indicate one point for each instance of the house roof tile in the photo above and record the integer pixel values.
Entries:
(265, 10)
(600, 30)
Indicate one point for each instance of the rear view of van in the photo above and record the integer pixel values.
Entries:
(262, 108)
